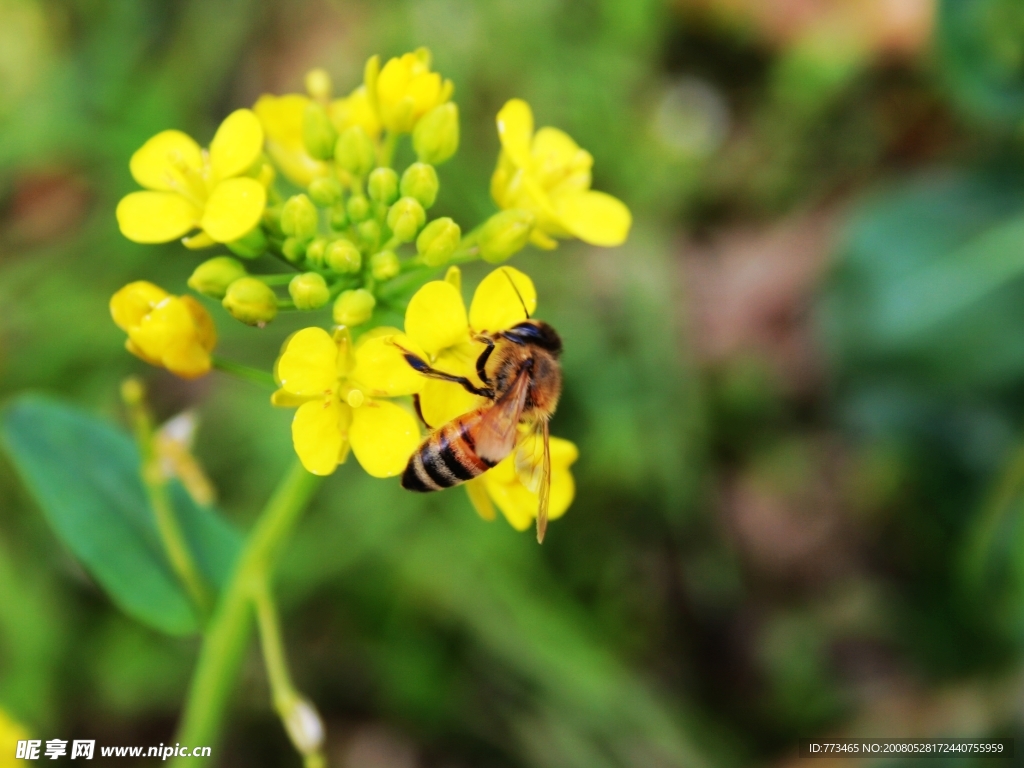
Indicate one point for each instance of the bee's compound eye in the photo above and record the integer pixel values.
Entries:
(538, 333)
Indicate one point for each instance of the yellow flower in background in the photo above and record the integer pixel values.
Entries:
(548, 174)
(502, 486)
(187, 187)
(339, 390)
(281, 118)
(405, 89)
(11, 732)
(355, 109)
(173, 332)
(436, 321)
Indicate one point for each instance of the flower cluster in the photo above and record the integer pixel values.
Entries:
(303, 194)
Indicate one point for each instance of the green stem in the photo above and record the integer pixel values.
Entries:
(387, 149)
(276, 279)
(255, 375)
(227, 633)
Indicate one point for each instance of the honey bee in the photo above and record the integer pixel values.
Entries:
(522, 380)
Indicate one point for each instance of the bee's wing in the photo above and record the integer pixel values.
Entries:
(496, 432)
(530, 458)
(545, 485)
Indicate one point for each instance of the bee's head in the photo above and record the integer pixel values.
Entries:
(537, 333)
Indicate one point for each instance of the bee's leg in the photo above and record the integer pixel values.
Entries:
(419, 409)
(481, 362)
(422, 366)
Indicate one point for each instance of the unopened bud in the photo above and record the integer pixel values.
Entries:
(251, 245)
(338, 216)
(309, 291)
(383, 186)
(405, 218)
(505, 234)
(341, 255)
(293, 249)
(318, 84)
(438, 241)
(358, 208)
(436, 136)
(212, 277)
(369, 234)
(354, 308)
(355, 152)
(251, 301)
(318, 134)
(384, 265)
(325, 191)
(299, 218)
(420, 181)
(304, 726)
(315, 251)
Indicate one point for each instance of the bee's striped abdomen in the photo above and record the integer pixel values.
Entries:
(446, 458)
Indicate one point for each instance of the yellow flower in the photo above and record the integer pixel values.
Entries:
(355, 109)
(338, 389)
(188, 187)
(405, 89)
(502, 486)
(436, 322)
(174, 332)
(281, 118)
(548, 174)
(11, 733)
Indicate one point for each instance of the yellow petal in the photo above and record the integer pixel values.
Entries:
(553, 147)
(563, 453)
(594, 217)
(355, 109)
(281, 118)
(383, 437)
(155, 217)
(198, 241)
(169, 324)
(476, 489)
(436, 317)
(381, 369)
(133, 302)
(442, 401)
(236, 145)
(187, 358)
(308, 364)
(234, 208)
(498, 305)
(318, 434)
(206, 331)
(517, 504)
(515, 130)
(156, 164)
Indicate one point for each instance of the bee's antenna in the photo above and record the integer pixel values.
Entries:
(516, 289)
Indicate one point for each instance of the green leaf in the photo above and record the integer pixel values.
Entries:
(84, 474)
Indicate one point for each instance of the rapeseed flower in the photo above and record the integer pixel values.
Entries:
(503, 487)
(340, 390)
(548, 174)
(436, 321)
(173, 332)
(281, 118)
(188, 187)
(405, 89)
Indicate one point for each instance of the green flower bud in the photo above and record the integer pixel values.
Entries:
(355, 151)
(420, 181)
(383, 186)
(294, 249)
(318, 84)
(315, 251)
(438, 241)
(342, 256)
(405, 218)
(318, 134)
(272, 219)
(325, 191)
(436, 136)
(384, 265)
(354, 308)
(309, 291)
(251, 245)
(358, 208)
(369, 234)
(505, 234)
(251, 301)
(212, 277)
(299, 218)
(338, 216)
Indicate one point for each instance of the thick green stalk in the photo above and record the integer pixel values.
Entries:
(227, 633)
(255, 375)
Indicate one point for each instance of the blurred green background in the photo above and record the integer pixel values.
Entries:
(798, 390)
